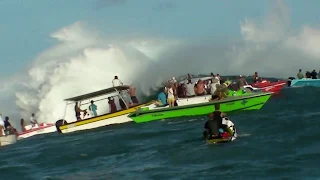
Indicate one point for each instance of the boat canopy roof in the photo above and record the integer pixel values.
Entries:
(194, 80)
(98, 93)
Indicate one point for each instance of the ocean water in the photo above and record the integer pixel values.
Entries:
(280, 141)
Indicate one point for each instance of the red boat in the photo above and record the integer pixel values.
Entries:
(268, 86)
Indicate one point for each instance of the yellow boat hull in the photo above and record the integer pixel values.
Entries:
(99, 121)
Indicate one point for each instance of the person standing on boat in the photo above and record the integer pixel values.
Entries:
(300, 75)
(9, 129)
(112, 105)
(2, 127)
(33, 120)
(93, 109)
(255, 77)
(22, 123)
(132, 92)
(190, 89)
(189, 77)
(78, 111)
(170, 91)
(214, 85)
(200, 89)
(116, 82)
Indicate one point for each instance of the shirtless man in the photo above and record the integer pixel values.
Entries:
(200, 89)
(132, 92)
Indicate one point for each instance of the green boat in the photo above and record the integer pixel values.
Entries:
(201, 105)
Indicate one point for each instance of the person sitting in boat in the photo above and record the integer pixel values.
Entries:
(23, 125)
(256, 77)
(122, 104)
(308, 75)
(242, 82)
(234, 86)
(228, 82)
(189, 77)
(133, 97)
(190, 89)
(314, 74)
(162, 99)
(2, 127)
(300, 75)
(78, 111)
(200, 89)
(214, 127)
(33, 120)
(112, 105)
(116, 82)
(9, 129)
(93, 109)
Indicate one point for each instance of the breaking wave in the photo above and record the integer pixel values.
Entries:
(85, 60)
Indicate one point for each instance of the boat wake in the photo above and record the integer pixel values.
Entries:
(243, 135)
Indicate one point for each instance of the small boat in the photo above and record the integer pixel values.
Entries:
(118, 117)
(231, 135)
(8, 139)
(42, 128)
(201, 105)
(292, 82)
(268, 86)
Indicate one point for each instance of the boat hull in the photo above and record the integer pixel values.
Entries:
(252, 101)
(8, 139)
(42, 129)
(267, 86)
(305, 82)
(99, 121)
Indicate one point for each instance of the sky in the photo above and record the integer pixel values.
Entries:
(51, 48)
(26, 25)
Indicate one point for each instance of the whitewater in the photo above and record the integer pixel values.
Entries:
(84, 60)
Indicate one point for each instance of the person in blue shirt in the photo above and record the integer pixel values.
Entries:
(93, 109)
(162, 98)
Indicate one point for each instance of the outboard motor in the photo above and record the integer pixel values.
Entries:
(289, 81)
(60, 123)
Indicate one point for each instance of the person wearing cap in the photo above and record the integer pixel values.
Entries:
(93, 109)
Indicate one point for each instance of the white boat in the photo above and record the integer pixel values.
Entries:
(106, 118)
(42, 128)
(8, 139)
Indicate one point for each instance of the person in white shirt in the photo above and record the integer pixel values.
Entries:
(116, 82)
(190, 89)
(1, 125)
(33, 120)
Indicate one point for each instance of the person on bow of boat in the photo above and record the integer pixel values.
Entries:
(78, 111)
(33, 120)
